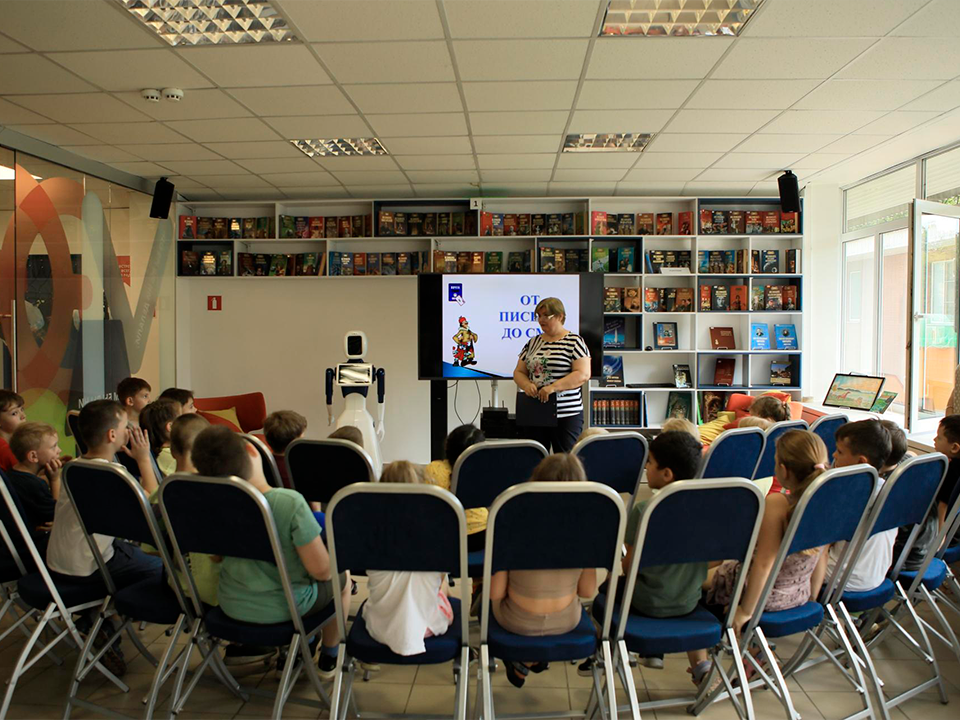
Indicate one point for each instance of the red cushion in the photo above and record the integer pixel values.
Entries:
(217, 420)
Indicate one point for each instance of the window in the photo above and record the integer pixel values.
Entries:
(859, 319)
(880, 200)
(942, 177)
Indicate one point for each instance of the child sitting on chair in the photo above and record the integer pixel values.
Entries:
(406, 607)
(184, 397)
(36, 476)
(280, 429)
(11, 415)
(440, 473)
(156, 418)
(134, 394)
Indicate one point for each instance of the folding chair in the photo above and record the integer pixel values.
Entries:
(111, 502)
(229, 517)
(765, 466)
(486, 469)
(616, 459)
(55, 604)
(733, 454)
(529, 528)
(319, 468)
(381, 526)
(826, 426)
(73, 422)
(949, 555)
(834, 508)
(270, 469)
(687, 521)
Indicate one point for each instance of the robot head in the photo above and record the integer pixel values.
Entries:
(355, 344)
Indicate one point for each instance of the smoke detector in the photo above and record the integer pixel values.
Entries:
(172, 94)
(150, 95)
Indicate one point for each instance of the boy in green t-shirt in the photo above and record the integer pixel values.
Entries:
(250, 590)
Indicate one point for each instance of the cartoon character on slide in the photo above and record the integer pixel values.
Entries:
(463, 353)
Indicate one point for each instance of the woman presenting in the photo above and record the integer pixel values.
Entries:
(556, 361)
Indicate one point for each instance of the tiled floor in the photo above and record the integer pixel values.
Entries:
(817, 693)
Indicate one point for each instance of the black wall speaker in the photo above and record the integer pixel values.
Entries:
(162, 196)
(789, 192)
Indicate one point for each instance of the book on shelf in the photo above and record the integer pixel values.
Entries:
(463, 262)
(414, 224)
(278, 265)
(493, 262)
(204, 228)
(399, 223)
(316, 227)
(646, 224)
(449, 264)
(600, 259)
(612, 299)
(208, 263)
(771, 261)
(404, 267)
(788, 223)
(334, 264)
(729, 262)
(523, 224)
(249, 231)
(774, 298)
(651, 300)
(373, 263)
(721, 298)
(739, 298)
(301, 227)
(681, 376)
(722, 338)
(625, 259)
(476, 262)
(786, 337)
(665, 223)
(612, 371)
(496, 229)
(680, 405)
(288, 227)
(188, 227)
(538, 224)
(572, 260)
(221, 228)
(627, 224)
(757, 298)
(789, 293)
(568, 225)
(703, 262)
(332, 227)
(736, 222)
(665, 335)
(385, 225)
(685, 222)
(225, 263)
(443, 224)
(706, 222)
(706, 298)
(780, 373)
(245, 265)
(723, 372)
(361, 226)
(359, 263)
(759, 336)
(554, 223)
(189, 263)
(753, 222)
(261, 265)
(631, 299)
(518, 261)
(669, 299)
(721, 222)
(548, 257)
(755, 265)
(388, 263)
(793, 265)
(559, 260)
(712, 404)
(430, 224)
(684, 301)
(770, 220)
(510, 225)
(614, 332)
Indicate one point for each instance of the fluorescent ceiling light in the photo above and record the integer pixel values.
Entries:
(607, 142)
(340, 146)
(677, 18)
(211, 22)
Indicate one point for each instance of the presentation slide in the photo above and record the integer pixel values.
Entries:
(488, 319)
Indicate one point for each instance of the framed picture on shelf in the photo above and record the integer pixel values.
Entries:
(665, 335)
(680, 405)
(681, 376)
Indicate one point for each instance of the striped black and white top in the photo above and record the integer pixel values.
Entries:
(547, 362)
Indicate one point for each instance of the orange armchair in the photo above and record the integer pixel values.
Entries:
(251, 409)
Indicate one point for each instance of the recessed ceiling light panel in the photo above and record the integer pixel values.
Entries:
(211, 22)
(677, 18)
(340, 146)
(607, 142)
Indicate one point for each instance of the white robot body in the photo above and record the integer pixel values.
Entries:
(355, 413)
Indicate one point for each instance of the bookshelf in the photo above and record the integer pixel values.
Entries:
(647, 373)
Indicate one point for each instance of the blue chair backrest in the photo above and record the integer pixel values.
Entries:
(320, 468)
(765, 467)
(831, 509)
(270, 469)
(616, 459)
(826, 427)
(912, 489)
(486, 469)
(543, 525)
(108, 500)
(733, 454)
(10, 527)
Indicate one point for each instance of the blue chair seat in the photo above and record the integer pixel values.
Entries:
(579, 643)
(951, 555)
(150, 600)
(438, 649)
(270, 635)
(869, 599)
(932, 579)
(656, 636)
(787, 622)
(34, 591)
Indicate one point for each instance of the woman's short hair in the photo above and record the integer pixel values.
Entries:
(551, 306)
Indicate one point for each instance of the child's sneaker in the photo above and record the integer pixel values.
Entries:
(585, 669)
(327, 667)
(654, 661)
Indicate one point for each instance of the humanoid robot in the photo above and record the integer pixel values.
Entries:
(354, 378)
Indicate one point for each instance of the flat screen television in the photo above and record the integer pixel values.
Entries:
(487, 319)
(854, 391)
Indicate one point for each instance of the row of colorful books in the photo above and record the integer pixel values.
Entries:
(734, 262)
(621, 299)
(613, 412)
(447, 261)
(281, 265)
(667, 299)
(208, 263)
(739, 298)
(655, 260)
(747, 222)
(604, 223)
(784, 337)
(510, 224)
(371, 263)
(343, 226)
(193, 227)
(403, 224)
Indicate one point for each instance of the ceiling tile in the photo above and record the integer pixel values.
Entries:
(319, 126)
(219, 182)
(368, 162)
(694, 142)
(514, 123)
(436, 162)
(520, 59)
(517, 161)
(519, 189)
(677, 160)
(938, 19)
(311, 193)
(661, 58)
(119, 70)
(419, 125)
(185, 183)
(102, 153)
(639, 189)
(622, 121)
(750, 94)
(541, 95)
(381, 191)
(34, 74)
(585, 175)
(487, 145)
(865, 94)
(634, 94)
(197, 168)
(896, 122)
(786, 143)
(765, 189)
(662, 174)
(511, 176)
(255, 194)
(370, 177)
(821, 121)
(170, 151)
(56, 134)
(406, 97)
(71, 25)
(82, 107)
(195, 105)
(851, 144)
(302, 179)
(254, 65)
(728, 121)
(235, 130)
(788, 58)
(423, 61)
(521, 18)
(758, 160)
(14, 114)
(267, 149)
(945, 97)
(443, 176)
(574, 189)
(200, 194)
(128, 133)
(607, 160)
(428, 190)
(829, 18)
(341, 20)
(303, 100)
(908, 58)
(143, 169)
(718, 189)
(9, 46)
(427, 146)
(732, 175)
(818, 161)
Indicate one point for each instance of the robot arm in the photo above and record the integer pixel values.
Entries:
(329, 392)
(381, 376)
